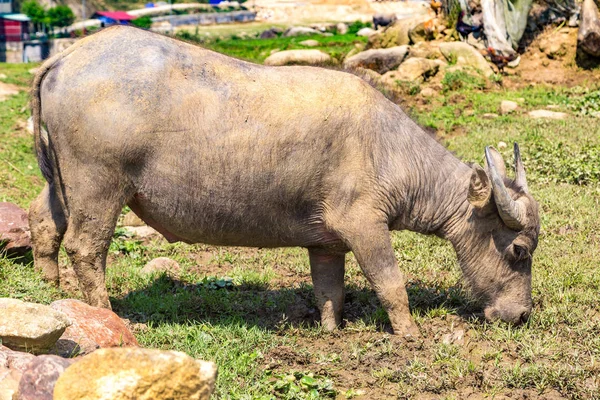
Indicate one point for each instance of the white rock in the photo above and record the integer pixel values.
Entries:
(162, 264)
(365, 32)
(298, 57)
(309, 43)
(507, 106)
(548, 114)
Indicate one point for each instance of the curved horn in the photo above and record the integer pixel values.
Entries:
(520, 178)
(513, 213)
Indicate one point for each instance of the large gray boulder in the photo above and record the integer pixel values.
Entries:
(466, 55)
(29, 326)
(135, 373)
(298, 57)
(379, 60)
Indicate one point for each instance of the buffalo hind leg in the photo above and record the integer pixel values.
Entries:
(373, 250)
(48, 225)
(91, 225)
(327, 270)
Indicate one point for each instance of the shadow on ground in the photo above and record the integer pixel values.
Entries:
(167, 300)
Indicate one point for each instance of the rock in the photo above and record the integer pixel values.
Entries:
(135, 373)
(379, 60)
(464, 54)
(269, 34)
(548, 114)
(507, 106)
(3, 76)
(9, 383)
(142, 232)
(456, 337)
(394, 35)
(365, 32)
(553, 47)
(502, 145)
(428, 92)
(368, 75)
(14, 360)
(162, 264)
(489, 116)
(29, 326)
(298, 57)
(309, 43)
(341, 28)
(414, 69)
(91, 328)
(33, 71)
(38, 380)
(300, 31)
(274, 51)
(130, 219)
(425, 50)
(15, 238)
(422, 32)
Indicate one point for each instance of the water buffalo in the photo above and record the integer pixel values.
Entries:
(207, 148)
(383, 20)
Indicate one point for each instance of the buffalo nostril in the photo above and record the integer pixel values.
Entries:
(524, 317)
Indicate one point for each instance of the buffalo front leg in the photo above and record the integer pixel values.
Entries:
(327, 270)
(48, 225)
(373, 250)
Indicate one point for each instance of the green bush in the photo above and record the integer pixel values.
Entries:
(357, 26)
(60, 16)
(142, 22)
(461, 80)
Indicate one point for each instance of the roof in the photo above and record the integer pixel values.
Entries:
(15, 17)
(116, 15)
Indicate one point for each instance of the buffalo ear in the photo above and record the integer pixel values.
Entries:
(480, 188)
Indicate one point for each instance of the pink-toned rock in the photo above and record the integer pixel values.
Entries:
(15, 238)
(15, 360)
(91, 328)
(38, 380)
(9, 383)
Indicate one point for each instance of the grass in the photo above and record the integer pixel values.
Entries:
(253, 313)
(257, 50)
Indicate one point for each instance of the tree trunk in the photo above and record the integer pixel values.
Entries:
(588, 38)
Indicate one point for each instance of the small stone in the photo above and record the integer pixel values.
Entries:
(547, 114)
(507, 106)
(428, 92)
(15, 238)
(469, 113)
(466, 55)
(29, 326)
(142, 232)
(135, 373)
(502, 145)
(162, 264)
(298, 57)
(365, 32)
(309, 43)
(379, 60)
(131, 219)
(490, 116)
(91, 328)
(341, 28)
(33, 71)
(455, 337)
(3, 76)
(38, 380)
(300, 31)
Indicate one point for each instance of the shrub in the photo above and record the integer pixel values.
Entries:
(142, 22)
(358, 25)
